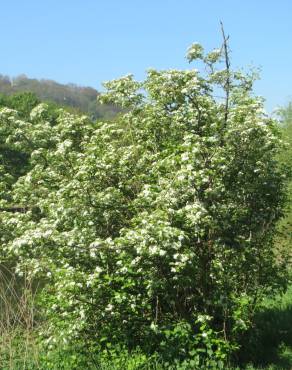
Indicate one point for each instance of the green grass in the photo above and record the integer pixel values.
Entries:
(270, 341)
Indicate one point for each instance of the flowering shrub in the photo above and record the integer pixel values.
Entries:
(154, 219)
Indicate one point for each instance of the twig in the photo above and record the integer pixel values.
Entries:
(227, 84)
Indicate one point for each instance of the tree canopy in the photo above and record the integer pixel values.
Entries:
(154, 230)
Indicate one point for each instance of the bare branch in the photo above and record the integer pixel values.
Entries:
(227, 85)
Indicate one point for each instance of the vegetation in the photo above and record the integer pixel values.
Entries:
(147, 241)
(285, 237)
(81, 99)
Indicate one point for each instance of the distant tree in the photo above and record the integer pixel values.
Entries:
(81, 99)
(24, 102)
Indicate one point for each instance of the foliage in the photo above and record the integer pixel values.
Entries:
(284, 240)
(80, 99)
(15, 159)
(23, 102)
(269, 341)
(145, 226)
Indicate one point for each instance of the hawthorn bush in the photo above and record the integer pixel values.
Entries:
(154, 231)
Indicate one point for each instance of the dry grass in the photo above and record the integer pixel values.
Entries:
(18, 348)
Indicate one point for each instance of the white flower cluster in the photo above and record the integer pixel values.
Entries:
(195, 51)
(38, 111)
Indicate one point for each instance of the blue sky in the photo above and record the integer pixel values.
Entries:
(87, 42)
